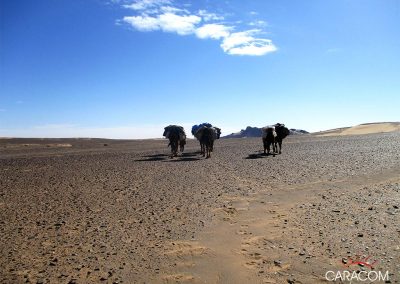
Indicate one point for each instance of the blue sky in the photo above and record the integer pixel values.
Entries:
(125, 69)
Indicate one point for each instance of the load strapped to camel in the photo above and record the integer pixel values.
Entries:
(281, 130)
(268, 131)
(174, 129)
(196, 128)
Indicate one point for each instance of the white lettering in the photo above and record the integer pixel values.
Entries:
(338, 276)
(330, 279)
(375, 274)
(386, 278)
(363, 273)
(346, 275)
(354, 276)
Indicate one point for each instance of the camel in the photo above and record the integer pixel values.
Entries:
(177, 138)
(281, 133)
(199, 130)
(269, 138)
(207, 140)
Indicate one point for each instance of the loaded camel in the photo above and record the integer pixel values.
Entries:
(274, 135)
(177, 138)
(206, 134)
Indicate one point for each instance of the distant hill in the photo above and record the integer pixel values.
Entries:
(366, 128)
(256, 132)
(294, 131)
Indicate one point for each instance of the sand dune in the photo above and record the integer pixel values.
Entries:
(367, 128)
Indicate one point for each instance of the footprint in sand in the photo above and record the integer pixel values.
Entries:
(252, 241)
(183, 248)
(242, 232)
(230, 211)
(180, 277)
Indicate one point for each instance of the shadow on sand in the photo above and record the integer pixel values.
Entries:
(156, 157)
(185, 157)
(258, 156)
(151, 159)
(192, 154)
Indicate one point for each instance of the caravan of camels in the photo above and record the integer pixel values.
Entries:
(206, 134)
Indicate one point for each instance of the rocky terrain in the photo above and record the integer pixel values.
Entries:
(120, 211)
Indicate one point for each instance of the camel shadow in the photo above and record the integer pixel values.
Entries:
(151, 159)
(185, 157)
(191, 154)
(156, 156)
(258, 156)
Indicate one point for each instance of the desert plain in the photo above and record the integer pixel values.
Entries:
(122, 211)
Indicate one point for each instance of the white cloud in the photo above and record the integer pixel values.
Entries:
(152, 15)
(256, 47)
(258, 23)
(243, 43)
(169, 9)
(141, 23)
(182, 25)
(146, 4)
(236, 39)
(168, 22)
(214, 31)
(207, 16)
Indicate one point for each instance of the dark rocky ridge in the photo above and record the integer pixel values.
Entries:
(256, 132)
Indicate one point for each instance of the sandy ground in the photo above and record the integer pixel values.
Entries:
(367, 128)
(123, 212)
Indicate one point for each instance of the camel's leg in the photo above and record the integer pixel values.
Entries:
(208, 152)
